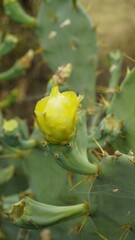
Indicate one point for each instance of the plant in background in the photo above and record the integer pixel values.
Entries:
(82, 177)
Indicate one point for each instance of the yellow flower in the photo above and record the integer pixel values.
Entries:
(57, 116)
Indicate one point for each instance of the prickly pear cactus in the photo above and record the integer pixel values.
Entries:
(63, 38)
(102, 192)
(68, 179)
(71, 37)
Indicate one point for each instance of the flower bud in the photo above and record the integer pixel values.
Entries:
(62, 74)
(57, 116)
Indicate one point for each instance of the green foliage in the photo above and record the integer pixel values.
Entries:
(92, 176)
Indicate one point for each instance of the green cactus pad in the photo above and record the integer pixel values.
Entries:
(123, 108)
(67, 34)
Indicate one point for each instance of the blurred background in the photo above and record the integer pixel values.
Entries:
(114, 22)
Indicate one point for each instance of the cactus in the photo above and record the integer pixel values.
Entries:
(115, 59)
(122, 107)
(8, 44)
(109, 194)
(70, 42)
(6, 102)
(85, 184)
(6, 174)
(57, 28)
(18, 68)
(16, 12)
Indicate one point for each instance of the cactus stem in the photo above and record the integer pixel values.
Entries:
(17, 13)
(8, 44)
(74, 156)
(28, 213)
(6, 174)
(30, 143)
(73, 160)
(9, 100)
(15, 71)
(19, 68)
